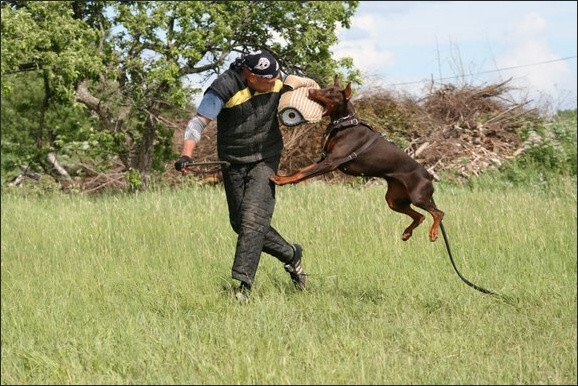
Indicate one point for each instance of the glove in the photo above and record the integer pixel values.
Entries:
(182, 162)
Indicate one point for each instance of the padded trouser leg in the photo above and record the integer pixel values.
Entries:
(251, 202)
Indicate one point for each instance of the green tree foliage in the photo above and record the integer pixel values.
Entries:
(130, 62)
(70, 131)
(46, 35)
(45, 51)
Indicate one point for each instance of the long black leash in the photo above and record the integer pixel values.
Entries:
(474, 286)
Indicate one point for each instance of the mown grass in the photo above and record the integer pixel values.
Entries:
(135, 289)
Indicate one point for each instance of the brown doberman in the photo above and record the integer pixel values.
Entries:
(354, 148)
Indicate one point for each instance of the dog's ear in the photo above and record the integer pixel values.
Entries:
(347, 92)
(337, 81)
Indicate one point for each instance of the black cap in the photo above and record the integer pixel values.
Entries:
(262, 63)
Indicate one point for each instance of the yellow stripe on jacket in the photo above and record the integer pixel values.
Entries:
(244, 95)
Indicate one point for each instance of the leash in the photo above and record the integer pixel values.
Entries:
(221, 164)
(508, 300)
(476, 287)
(225, 164)
(188, 167)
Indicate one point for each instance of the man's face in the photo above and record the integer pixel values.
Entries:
(258, 83)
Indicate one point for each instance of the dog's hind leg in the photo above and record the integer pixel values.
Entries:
(437, 217)
(422, 198)
(399, 201)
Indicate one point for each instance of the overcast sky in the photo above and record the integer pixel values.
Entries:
(404, 45)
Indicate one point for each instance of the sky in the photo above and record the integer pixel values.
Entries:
(405, 45)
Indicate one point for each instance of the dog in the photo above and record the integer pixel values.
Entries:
(354, 148)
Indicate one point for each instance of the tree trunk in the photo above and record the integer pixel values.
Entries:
(143, 158)
(145, 152)
(43, 108)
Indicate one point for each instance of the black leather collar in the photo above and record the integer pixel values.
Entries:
(343, 122)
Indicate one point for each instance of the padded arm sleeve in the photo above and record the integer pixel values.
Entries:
(194, 129)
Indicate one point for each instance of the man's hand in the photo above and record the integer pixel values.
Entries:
(183, 162)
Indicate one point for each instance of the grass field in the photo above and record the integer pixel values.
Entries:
(136, 289)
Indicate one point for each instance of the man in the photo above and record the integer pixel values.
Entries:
(244, 101)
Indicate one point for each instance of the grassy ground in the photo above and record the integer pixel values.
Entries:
(137, 290)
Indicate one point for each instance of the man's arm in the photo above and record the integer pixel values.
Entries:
(208, 110)
(193, 133)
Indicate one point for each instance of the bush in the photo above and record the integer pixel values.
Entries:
(550, 149)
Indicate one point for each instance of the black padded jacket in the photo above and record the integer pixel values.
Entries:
(247, 126)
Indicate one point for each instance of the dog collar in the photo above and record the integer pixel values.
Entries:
(347, 121)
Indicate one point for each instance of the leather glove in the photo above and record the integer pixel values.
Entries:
(182, 162)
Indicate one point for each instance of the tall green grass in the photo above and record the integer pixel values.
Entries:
(136, 289)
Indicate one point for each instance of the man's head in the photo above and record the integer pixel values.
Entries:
(261, 70)
(262, 63)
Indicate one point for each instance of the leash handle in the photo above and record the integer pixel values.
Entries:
(223, 164)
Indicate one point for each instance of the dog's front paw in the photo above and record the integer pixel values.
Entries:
(277, 180)
(284, 180)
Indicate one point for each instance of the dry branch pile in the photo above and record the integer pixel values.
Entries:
(471, 129)
(97, 181)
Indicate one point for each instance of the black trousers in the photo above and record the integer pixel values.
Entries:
(251, 201)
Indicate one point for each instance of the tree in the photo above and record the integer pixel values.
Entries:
(146, 53)
(45, 50)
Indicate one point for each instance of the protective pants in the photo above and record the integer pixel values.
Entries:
(251, 201)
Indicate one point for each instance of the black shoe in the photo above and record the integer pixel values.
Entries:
(243, 293)
(298, 275)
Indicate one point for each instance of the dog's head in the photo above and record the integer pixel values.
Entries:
(334, 99)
